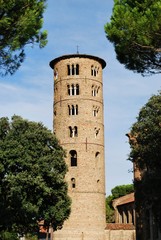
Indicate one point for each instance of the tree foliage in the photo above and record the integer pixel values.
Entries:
(146, 153)
(122, 190)
(20, 24)
(32, 171)
(117, 192)
(135, 31)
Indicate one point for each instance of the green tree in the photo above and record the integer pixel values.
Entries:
(117, 192)
(146, 154)
(135, 31)
(32, 171)
(20, 24)
(122, 190)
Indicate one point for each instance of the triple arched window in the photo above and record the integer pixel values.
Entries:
(95, 90)
(73, 109)
(94, 70)
(73, 89)
(73, 69)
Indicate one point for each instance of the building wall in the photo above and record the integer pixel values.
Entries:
(120, 235)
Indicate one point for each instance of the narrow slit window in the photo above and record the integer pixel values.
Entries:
(76, 110)
(77, 69)
(77, 89)
(68, 88)
(73, 88)
(68, 69)
(73, 69)
(73, 110)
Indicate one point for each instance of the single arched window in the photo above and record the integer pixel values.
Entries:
(73, 158)
(73, 183)
(97, 154)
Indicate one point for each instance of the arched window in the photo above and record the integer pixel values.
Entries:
(95, 71)
(77, 69)
(72, 89)
(73, 69)
(56, 73)
(95, 111)
(73, 183)
(68, 88)
(92, 72)
(69, 110)
(73, 158)
(95, 90)
(68, 69)
(76, 110)
(73, 110)
(97, 130)
(77, 89)
(97, 154)
(73, 131)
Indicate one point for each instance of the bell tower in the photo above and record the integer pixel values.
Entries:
(79, 126)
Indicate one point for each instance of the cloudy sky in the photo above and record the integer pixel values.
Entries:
(29, 92)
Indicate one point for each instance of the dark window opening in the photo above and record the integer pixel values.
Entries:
(77, 69)
(77, 89)
(73, 158)
(73, 70)
(73, 110)
(73, 182)
(68, 69)
(73, 89)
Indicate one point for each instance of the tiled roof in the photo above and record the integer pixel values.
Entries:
(124, 200)
(120, 226)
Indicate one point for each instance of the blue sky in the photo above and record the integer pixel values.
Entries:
(29, 92)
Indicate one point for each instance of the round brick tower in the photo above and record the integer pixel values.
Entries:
(79, 126)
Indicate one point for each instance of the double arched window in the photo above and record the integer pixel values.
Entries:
(73, 131)
(95, 111)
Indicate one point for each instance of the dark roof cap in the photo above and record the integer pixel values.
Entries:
(54, 61)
